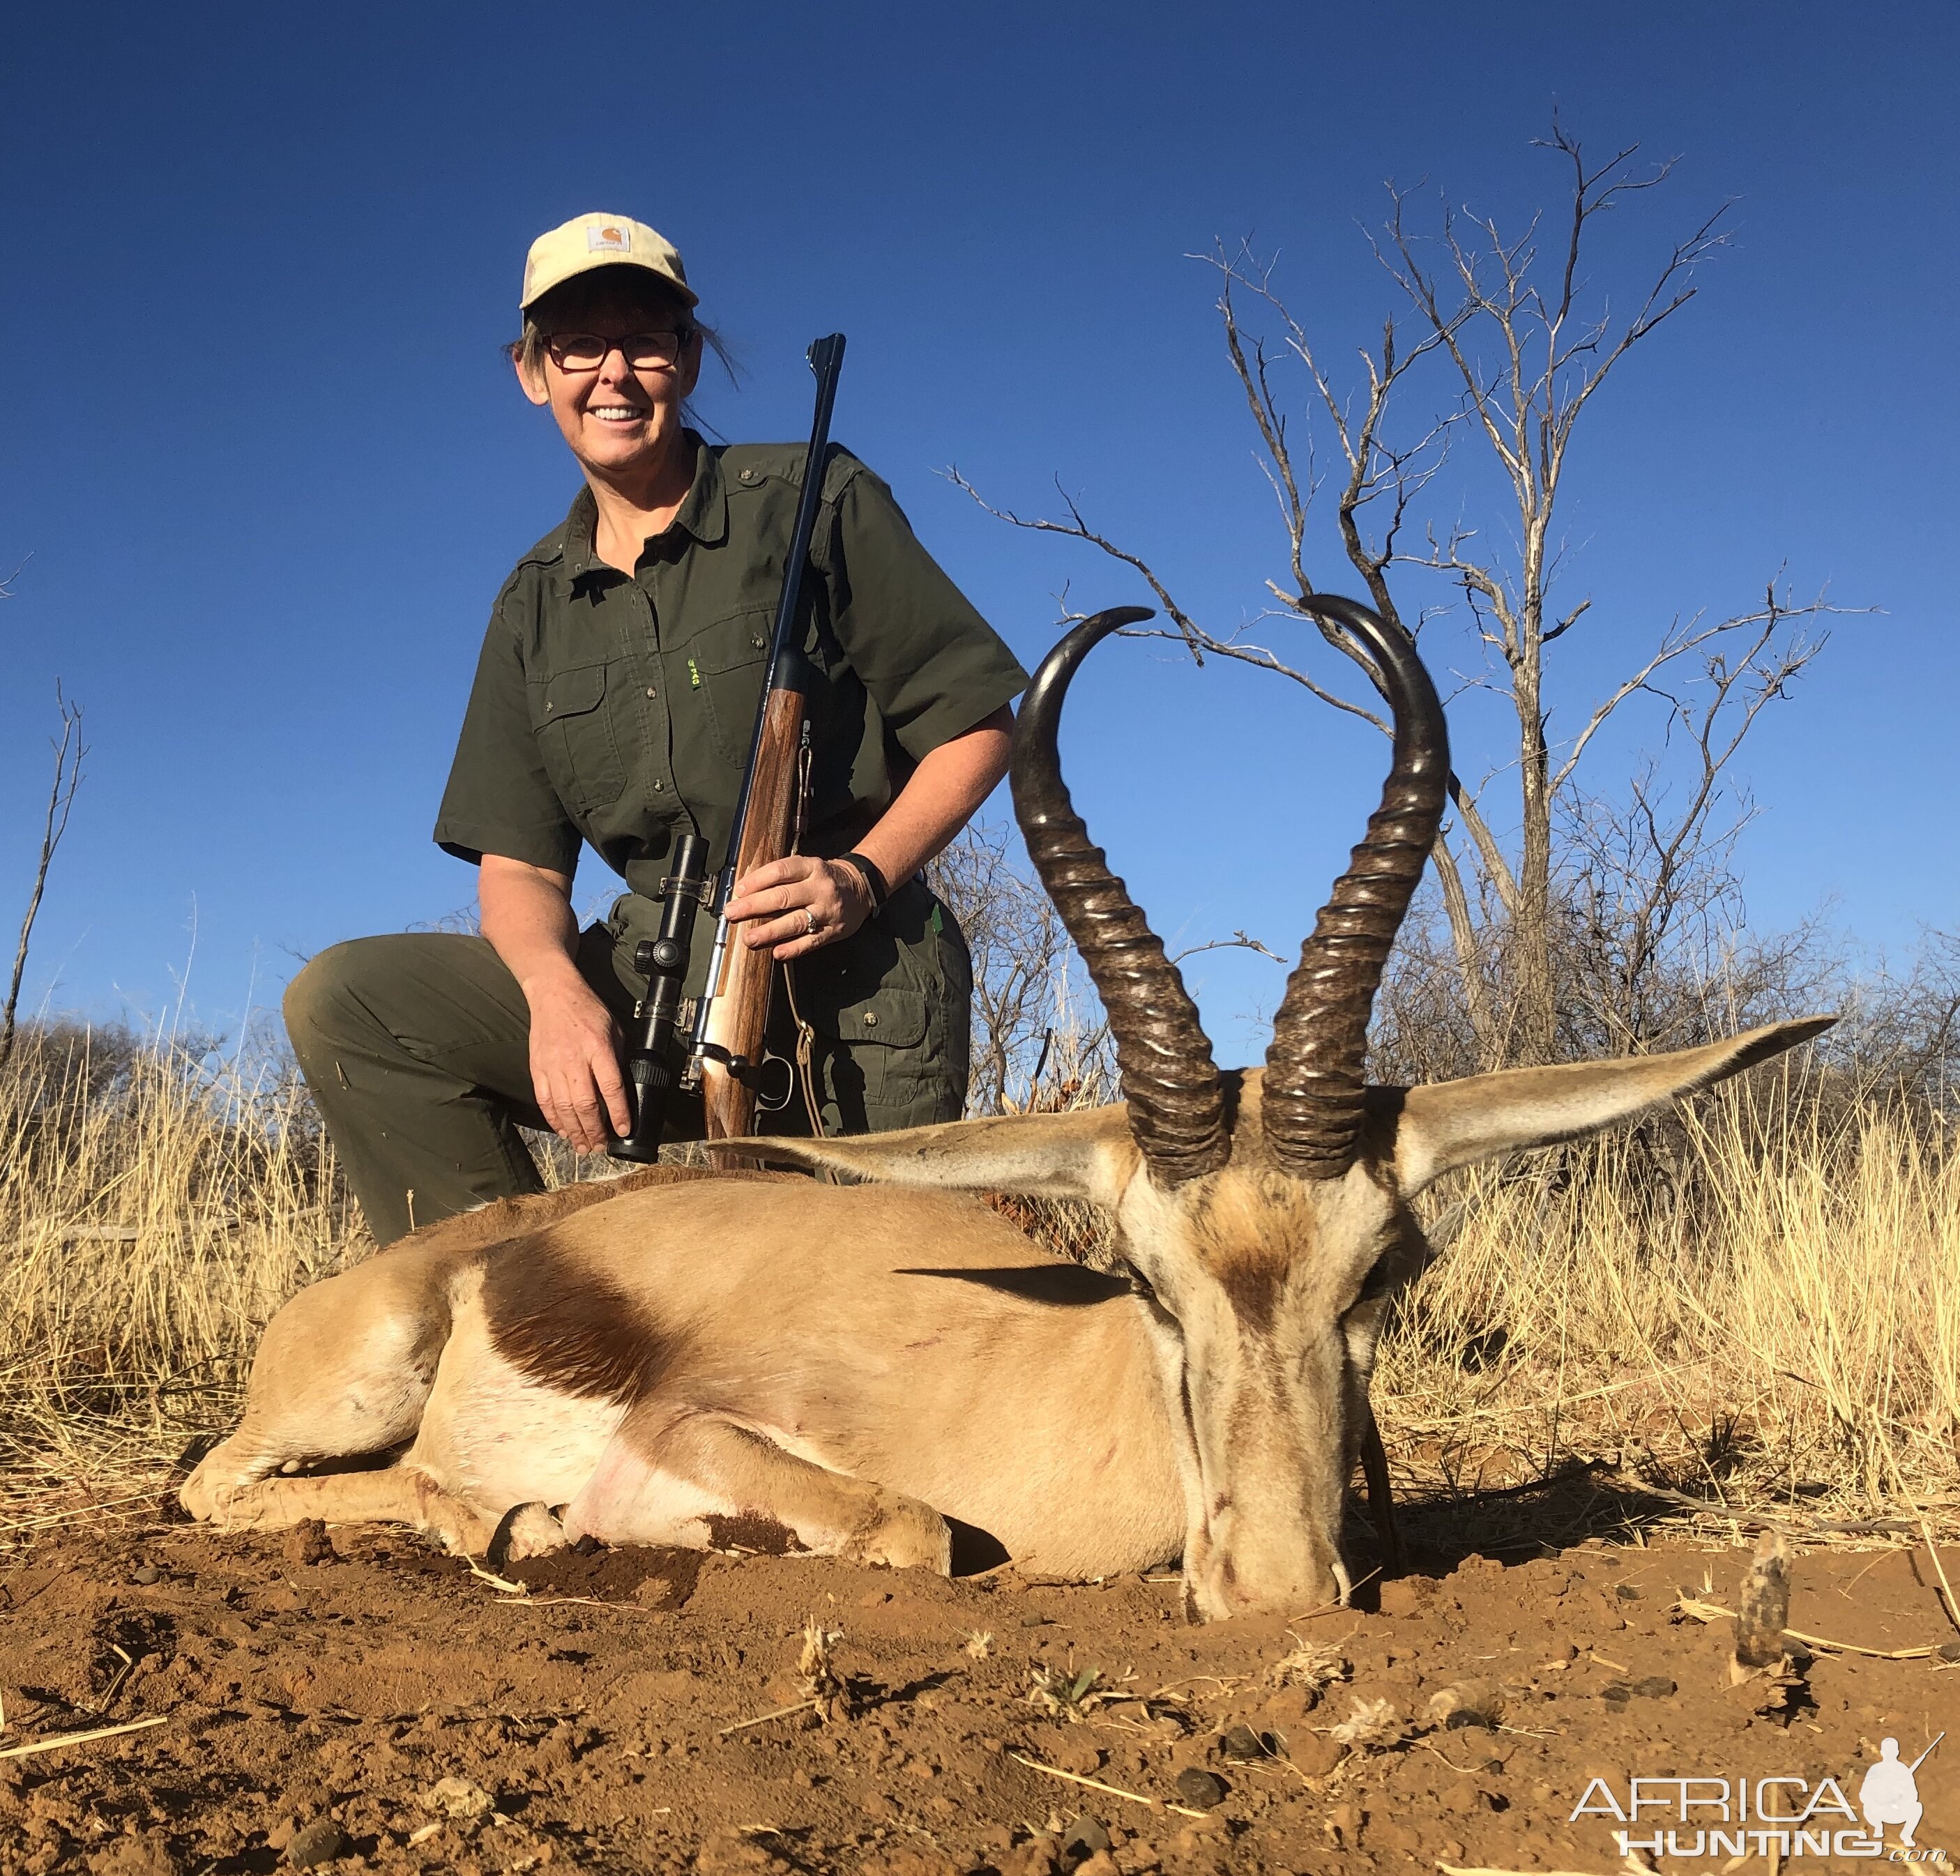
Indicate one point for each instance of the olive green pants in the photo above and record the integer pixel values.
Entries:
(416, 1048)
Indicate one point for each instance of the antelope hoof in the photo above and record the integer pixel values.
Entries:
(195, 1495)
(910, 1536)
(525, 1530)
(209, 1491)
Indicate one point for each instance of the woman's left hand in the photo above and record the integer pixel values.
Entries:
(799, 905)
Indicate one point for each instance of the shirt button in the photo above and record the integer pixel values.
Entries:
(658, 787)
(758, 641)
(870, 1019)
(651, 691)
(748, 475)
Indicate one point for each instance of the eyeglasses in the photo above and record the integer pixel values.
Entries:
(587, 352)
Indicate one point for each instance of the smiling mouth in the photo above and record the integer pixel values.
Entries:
(616, 413)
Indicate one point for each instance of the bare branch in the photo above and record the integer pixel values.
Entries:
(1496, 868)
(1238, 941)
(1676, 642)
(1263, 658)
(1466, 940)
(1565, 624)
(69, 753)
(1076, 528)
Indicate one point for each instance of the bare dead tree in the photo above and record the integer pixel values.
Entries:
(1508, 328)
(69, 750)
(1036, 1039)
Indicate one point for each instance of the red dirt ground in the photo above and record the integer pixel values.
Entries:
(380, 1708)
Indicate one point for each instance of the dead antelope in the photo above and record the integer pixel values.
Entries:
(877, 1371)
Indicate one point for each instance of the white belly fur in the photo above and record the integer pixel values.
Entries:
(498, 1439)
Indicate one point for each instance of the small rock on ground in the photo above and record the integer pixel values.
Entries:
(308, 1542)
(1084, 1837)
(1197, 1786)
(319, 1842)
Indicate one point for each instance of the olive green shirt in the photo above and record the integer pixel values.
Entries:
(618, 709)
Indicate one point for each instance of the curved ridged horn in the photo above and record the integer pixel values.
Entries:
(1311, 1102)
(1177, 1106)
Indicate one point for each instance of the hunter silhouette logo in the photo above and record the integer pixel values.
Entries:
(607, 237)
(1890, 1792)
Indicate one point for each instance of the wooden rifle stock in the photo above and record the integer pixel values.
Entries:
(741, 1000)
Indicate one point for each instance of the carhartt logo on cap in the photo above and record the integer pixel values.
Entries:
(595, 240)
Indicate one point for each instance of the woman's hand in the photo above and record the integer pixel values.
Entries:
(575, 1065)
(575, 1075)
(798, 904)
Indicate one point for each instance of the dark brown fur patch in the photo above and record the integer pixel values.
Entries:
(751, 1530)
(556, 1322)
(1252, 1286)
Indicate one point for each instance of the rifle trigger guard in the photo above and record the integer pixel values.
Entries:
(773, 1079)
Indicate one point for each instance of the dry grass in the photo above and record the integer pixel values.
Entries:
(1776, 1328)
(1781, 1328)
(154, 1212)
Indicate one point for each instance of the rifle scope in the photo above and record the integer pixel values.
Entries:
(652, 1066)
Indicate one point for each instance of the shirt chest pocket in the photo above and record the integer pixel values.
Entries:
(575, 735)
(724, 667)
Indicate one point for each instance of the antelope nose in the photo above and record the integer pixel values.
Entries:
(1303, 1583)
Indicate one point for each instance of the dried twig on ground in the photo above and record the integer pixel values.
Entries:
(1096, 1785)
(1946, 1587)
(81, 1739)
(1713, 1612)
(824, 1687)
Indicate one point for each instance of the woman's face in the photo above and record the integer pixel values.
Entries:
(620, 421)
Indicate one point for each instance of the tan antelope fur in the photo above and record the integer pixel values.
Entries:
(891, 1371)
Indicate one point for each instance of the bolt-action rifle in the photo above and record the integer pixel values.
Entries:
(723, 1055)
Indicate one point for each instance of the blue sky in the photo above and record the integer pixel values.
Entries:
(266, 470)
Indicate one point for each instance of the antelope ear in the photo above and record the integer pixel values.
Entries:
(1086, 1154)
(1455, 1123)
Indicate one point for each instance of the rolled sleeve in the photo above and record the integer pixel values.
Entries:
(499, 799)
(928, 661)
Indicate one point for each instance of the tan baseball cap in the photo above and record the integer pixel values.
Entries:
(588, 241)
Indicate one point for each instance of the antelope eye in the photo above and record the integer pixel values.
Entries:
(1379, 1277)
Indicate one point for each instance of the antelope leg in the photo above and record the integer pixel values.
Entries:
(709, 1484)
(398, 1494)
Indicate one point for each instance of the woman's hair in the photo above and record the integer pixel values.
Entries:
(632, 289)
